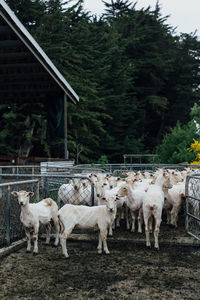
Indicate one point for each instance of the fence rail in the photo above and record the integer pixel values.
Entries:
(10, 225)
(134, 167)
(48, 184)
(43, 186)
(86, 168)
(192, 191)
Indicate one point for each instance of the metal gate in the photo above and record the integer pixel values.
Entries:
(11, 228)
(43, 186)
(192, 192)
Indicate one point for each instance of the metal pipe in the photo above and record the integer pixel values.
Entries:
(17, 182)
(186, 204)
(65, 128)
(8, 217)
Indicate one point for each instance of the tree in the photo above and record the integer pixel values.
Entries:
(22, 129)
(158, 83)
(29, 12)
(134, 76)
(117, 8)
(175, 144)
(69, 46)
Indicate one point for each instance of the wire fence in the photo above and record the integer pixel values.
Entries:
(117, 169)
(84, 169)
(11, 228)
(193, 205)
(73, 188)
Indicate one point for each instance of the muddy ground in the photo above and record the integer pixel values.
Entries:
(130, 272)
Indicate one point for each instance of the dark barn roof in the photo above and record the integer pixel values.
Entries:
(26, 72)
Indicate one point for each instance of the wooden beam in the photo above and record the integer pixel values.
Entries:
(21, 66)
(4, 29)
(17, 92)
(10, 43)
(15, 55)
(65, 128)
(22, 99)
(26, 85)
(25, 77)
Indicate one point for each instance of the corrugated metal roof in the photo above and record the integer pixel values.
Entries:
(10, 18)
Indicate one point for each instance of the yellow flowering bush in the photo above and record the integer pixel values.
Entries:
(195, 147)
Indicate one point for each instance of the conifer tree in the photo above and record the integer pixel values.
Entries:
(29, 12)
(134, 75)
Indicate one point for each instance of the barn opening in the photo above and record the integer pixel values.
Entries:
(29, 78)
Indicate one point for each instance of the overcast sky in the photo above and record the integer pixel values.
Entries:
(184, 14)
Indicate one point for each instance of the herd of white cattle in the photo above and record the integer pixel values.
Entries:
(141, 197)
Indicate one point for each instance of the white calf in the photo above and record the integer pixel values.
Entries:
(70, 192)
(152, 206)
(173, 202)
(65, 193)
(109, 193)
(85, 217)
(35, 214)
(93, 177)
(134, 200)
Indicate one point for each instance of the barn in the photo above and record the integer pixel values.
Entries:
(27, 73)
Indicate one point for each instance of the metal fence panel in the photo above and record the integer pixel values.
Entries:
(117, 168)
(69, 189)
(193, 205)
(11, 228)
(69, 169)
(48, 185)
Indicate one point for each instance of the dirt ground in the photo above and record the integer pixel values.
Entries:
(130, 272)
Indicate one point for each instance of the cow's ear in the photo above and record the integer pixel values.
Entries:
(30, 194)
(14, 193)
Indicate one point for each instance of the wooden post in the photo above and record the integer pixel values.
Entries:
(8, 217)
(65, 127)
